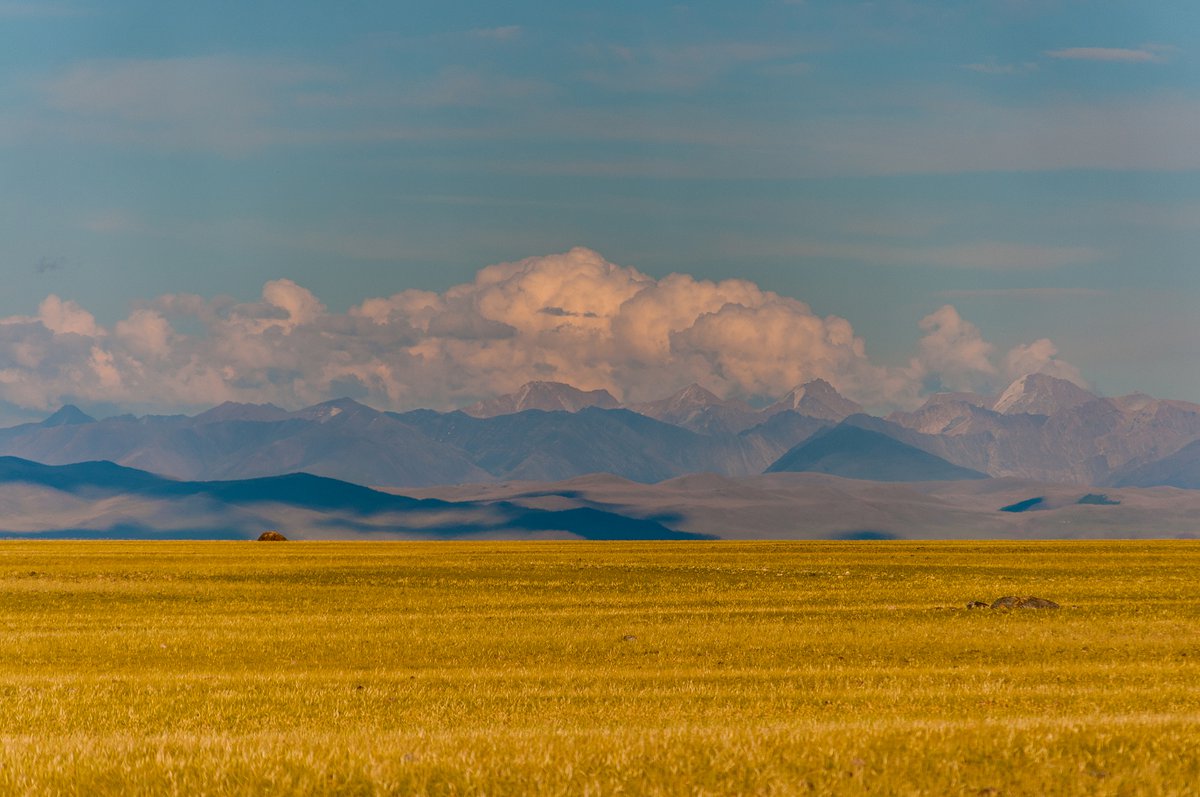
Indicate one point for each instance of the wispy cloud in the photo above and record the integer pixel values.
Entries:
(237, 106)
(981, 255)
(110, 222)
(14, 10)
(678, 68)
(1151, 131)
(787, 69)
(1152, 53)
(1005, 255)
(993, 67)
(216, 102)
(503, 33)
(463, 87)
(1049, 294)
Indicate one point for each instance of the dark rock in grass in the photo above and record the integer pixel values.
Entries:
(629, 638)
(271, 536)
(977, 605)
(1014, 602)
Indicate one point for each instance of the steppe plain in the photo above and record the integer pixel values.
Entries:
(598, 668)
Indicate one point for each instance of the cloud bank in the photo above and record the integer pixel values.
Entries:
(572, 317)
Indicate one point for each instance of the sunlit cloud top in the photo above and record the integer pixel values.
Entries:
(865, 161)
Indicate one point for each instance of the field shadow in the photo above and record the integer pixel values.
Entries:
(863, 534)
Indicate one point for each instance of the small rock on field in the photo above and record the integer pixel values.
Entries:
(1030, 602)
(977, 605)
(629, 638)
(271, 536)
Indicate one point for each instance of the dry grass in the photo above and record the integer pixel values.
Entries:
(508, 668)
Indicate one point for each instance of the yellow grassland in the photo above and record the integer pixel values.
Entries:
(572, 668)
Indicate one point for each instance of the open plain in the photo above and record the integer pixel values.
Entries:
(598, 668)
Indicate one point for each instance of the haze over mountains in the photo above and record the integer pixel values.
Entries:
(1042, 439)
(1039, 428)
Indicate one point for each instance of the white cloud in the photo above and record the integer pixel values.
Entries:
(146, 332)
(1041, 356)
(953, 355)
(573, 317)
(953, 350)
(1148, 53)
(67, 317)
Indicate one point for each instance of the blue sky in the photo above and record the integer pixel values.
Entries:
(1030, 163)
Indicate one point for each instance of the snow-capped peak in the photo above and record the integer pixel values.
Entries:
(816, 399)
(1041, 394)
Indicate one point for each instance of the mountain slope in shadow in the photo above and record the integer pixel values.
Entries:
(1181, 469)
(342, 505)
(856, 453)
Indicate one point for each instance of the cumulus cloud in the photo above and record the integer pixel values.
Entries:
(1041, 356)
(573, 317)
(67, 317)
(954, 351)
(953, 355)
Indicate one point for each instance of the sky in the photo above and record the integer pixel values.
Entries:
(426, 203)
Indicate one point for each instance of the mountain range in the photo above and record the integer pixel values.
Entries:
(103, 500)
(1039, 428)
(551, 460)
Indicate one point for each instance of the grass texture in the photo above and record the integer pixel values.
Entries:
(598, 668)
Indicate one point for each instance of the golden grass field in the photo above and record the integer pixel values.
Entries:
(598, 668)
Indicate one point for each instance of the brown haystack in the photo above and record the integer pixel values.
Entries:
(271, 536)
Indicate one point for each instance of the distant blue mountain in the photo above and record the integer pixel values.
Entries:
(1180, 469)
(340, 439)
(69, 415)
(540, 445)
(852, 452)
(343, 501)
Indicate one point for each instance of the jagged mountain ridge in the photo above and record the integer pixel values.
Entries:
(1085, 439)
(340, 439)
(548, 396)
(700, 410)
